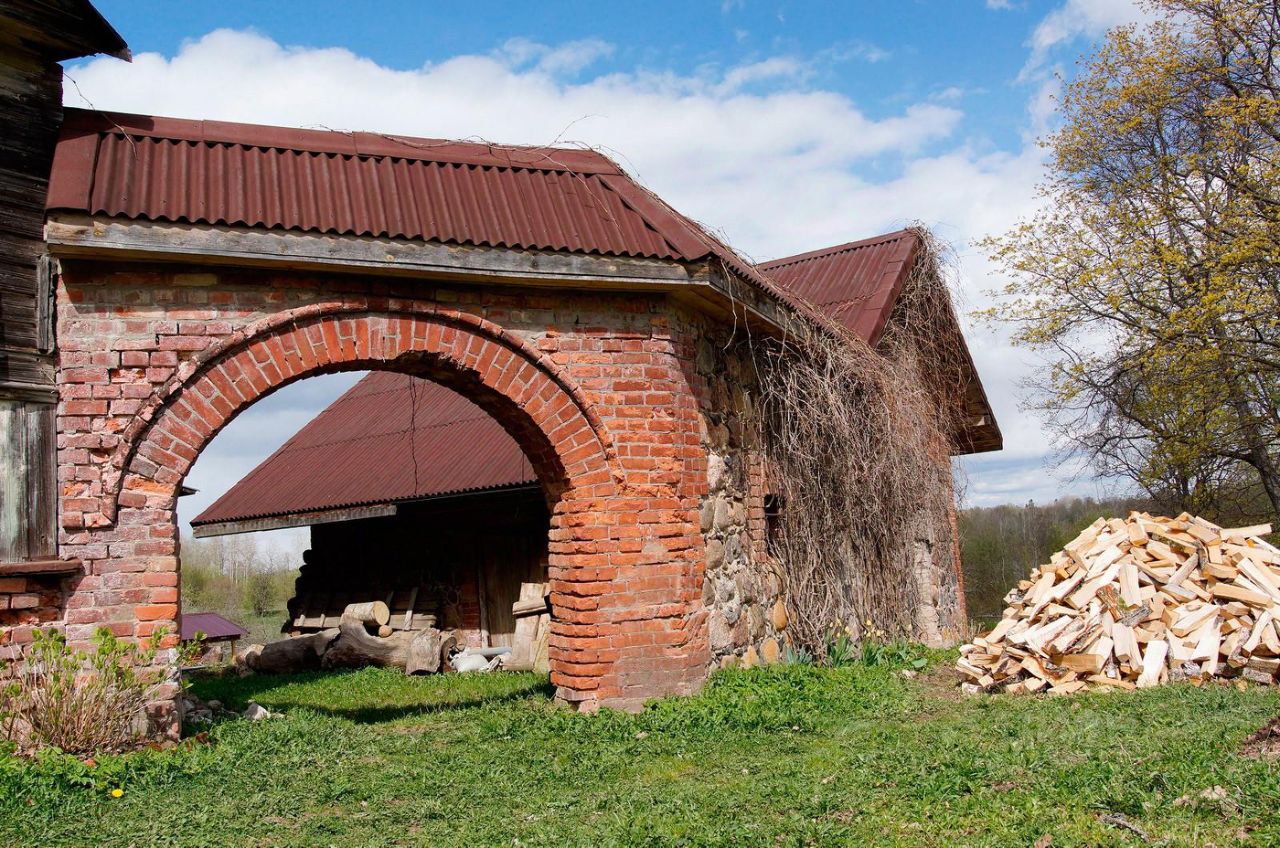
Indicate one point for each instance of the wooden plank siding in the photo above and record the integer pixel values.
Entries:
(28, 480)
(30, 115)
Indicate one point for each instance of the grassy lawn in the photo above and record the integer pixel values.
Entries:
(784, 756)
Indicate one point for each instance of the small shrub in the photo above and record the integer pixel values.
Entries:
(80, 702)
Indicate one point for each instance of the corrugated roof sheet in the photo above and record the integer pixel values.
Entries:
(212, 625)
(855, 283)
(366, 184)
(858, 284)
(389, 438)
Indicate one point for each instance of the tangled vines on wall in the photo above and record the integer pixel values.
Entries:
(856, 442)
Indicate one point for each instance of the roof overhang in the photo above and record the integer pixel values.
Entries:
(61, 29)
(702, 284)
(351, 513)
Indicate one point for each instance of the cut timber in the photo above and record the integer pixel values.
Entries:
(1153, 664)
(523, 648)
(287, 656)
(1233, 592)
(1133, 603)
(372, 613)
(413, 651)
(533, 606)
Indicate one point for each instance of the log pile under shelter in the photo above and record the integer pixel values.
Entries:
(365, 637)
(1134, 603)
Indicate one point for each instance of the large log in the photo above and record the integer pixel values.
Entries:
(415, 651)
(298, 653)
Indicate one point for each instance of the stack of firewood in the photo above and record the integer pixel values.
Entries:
(1133, 603)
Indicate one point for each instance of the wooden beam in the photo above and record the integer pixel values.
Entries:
(297, 519)
(71, 234)
(38, 567)
(76, 235)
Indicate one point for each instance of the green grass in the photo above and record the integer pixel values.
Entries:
(785, 756)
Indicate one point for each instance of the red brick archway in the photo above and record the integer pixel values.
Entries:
(610, 644)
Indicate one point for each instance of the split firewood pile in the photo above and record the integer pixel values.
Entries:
(1134, 603)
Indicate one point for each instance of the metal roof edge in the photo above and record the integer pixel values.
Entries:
(342, 143)
(872, 241)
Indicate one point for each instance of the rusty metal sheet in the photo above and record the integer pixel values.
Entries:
(855, 283)
(390, 438)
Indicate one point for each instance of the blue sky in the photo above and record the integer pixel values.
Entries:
(785, 126)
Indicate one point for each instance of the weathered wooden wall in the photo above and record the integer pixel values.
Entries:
(30, 114)
(28, 480)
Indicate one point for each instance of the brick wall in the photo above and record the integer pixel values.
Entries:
(26, 603)
(629, 407)
(594, 387)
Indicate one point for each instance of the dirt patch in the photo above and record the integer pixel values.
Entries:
(939, 685)
(942, 681)
(1264, 743)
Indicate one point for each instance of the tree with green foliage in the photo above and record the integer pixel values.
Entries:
(1149, 280)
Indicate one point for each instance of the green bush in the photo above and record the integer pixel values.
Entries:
(80, 702)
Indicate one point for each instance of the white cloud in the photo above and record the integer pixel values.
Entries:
(775, 166)
(1079, 18)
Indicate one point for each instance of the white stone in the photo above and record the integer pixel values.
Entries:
(256, 712)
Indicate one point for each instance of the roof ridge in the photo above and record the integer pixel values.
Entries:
(370, 145)
(872, 241)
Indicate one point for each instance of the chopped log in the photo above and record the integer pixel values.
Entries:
(1132, 603)
(371, 613)
(355, 647)
(287, 656)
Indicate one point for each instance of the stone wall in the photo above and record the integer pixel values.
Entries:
(742, 591)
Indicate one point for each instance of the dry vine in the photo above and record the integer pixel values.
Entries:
(856, 441)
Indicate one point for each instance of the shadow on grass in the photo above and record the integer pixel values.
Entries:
(371, 696)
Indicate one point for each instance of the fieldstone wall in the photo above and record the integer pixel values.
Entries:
(746, 616)
(743, 592)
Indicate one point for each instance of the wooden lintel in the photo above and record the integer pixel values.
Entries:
(41, 567)
(71, 235)
(300, 519)
(76, 235)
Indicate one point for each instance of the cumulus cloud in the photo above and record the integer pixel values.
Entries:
(775, 165)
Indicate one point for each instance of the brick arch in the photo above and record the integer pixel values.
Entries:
(472, 355)
(540, 407)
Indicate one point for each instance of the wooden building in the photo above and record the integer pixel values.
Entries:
(34, 36)
(414, 496)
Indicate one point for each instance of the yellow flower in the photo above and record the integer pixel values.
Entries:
(117, 792)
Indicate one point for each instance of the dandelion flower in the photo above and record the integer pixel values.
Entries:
(117, 792)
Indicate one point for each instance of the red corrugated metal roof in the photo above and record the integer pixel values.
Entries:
(855, 283)
(212, 625)
(366, 184)
(858, 284)
(389, 438)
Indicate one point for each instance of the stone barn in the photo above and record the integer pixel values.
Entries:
(201, 265)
